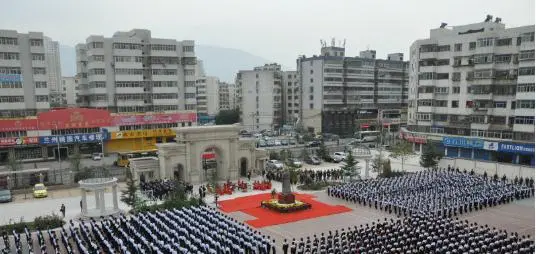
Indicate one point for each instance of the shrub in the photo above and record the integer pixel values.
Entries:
(48, 222)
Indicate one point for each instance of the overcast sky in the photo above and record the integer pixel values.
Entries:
(278, 30)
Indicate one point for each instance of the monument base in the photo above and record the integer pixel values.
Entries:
(286, 198)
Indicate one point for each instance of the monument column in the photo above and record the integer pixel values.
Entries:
(367, 169)
(84, 201)
(114, 195)
(102, 204)
(97, 197)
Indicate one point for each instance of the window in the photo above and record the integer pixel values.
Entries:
(454, 104)
(40, 84)
(189, 95)
(458, 47)
(524, 120)
(98, 58)
(10, 84)
(483, 59)
(423, 116)
(96, 45)
(37, 71)
(503, 42)
(443, 48)
(187, 48)
(472, 45)
(126, 72)
(311, 72)
(189, 83)
(187, 72)
(424, 103)
(9, 55)
(311, 97)
(456, 90)
(499, 104)
(41, 98)
(526, 55)
(527, 37)
(311, 106)
(117, 84)
(311, 89)
(312, 80)
(485, 42)
(440, 103)
(36, 42)
(130, 46)
(442, 76)
(166, 72)
(526, 71)
(101, 71)
(482, 74)
(427, 75)
(441, 90)
(11, 99)
(525, 88)
(456, 76)
(9, 41)
(502, 58)
(525, 104)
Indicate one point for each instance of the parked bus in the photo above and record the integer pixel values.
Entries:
(123, 158)
(367, 136)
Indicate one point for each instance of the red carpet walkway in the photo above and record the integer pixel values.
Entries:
(252, 205)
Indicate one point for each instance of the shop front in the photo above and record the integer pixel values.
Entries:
(138, 140)
(66, 145)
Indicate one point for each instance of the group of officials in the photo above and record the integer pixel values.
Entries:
(414, 234)
(435, 192)
(160, 189)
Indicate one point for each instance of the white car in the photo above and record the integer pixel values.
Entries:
(96, 156)
(274, 164)
(277, 142)
(339, 156)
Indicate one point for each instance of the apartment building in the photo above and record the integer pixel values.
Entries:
(52, 58)
(207, 96)
(226, 96)
(341, 94)
(23, 74)
(260, 97)
(472, 91)
(134, 72)
(291, 97)
(69, 91)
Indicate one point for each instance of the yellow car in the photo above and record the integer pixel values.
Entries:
(40, 191)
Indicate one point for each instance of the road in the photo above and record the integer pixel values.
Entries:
(85, 162)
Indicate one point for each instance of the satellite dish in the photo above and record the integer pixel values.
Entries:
(443, 25)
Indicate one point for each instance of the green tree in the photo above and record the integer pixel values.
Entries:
(227, 117)
(274, 155)
(402, 151)
(304, 154)
(283, 155)
(386, 171)
(377, 162)
(430, 156)
(14, 164)
(322, 151)
(129, 196)
(350, 166)
(75, 162)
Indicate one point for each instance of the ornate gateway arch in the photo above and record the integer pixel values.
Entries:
(207, 147)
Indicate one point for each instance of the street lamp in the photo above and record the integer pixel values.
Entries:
(59, 153)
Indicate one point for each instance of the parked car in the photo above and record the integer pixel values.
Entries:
(277, 142)
(295, 162)
(284, 142)
(314, 143)
(257, 135)
(96, 156)
(274, 164)
(313, 160)
(292, 141)
(262, 143)
(270, 142)
(339, 156)
(40, 191)
(5, 196)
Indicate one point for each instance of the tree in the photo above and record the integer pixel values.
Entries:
(14, 164)
(322, 152)
(129, 196)
(76, 162)
(430, 156)
(378, 162)
(227, 117)
(274, 155)
(387, 172)
(304, 154)
(349, 168)
(283, 155)
(402, 150)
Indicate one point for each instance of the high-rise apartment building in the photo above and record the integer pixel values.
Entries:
(207, 96)
(472, 91)
(52, 58)
(23, 74)
(291, 97)
(259, 97)
(69, 91)
(134, 72)
(342, 94)
(226, 94)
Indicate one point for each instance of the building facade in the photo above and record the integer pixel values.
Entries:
(227, 96)
(260, 97)
(52, 58)
(473, 87)
(69, 91)
(207, 96)
(342, 94)
(23, 74)
(291, 95)
(132, 72)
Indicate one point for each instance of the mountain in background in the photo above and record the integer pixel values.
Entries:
(223, 63)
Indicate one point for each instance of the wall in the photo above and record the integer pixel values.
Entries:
(510, 170)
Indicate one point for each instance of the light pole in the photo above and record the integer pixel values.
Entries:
(59, 153)
(102, 145)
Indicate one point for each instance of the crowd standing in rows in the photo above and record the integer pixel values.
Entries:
(326, 175)
(160, 189)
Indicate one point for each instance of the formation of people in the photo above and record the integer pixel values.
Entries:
(414, 234)
(433, 192)
(303, 175)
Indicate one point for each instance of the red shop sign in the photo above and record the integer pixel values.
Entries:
(18, 141)
(18, 125)
(74, 118)
(121, 120)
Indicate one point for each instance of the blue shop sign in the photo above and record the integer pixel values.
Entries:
(463, 142)
(516, 148)
(73, 138)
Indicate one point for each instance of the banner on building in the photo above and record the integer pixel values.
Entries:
(463, 142)
(10, 77)
(122, 120)
(142, 133)
(516, 148)
(73, 138)
(411, 137)
(492, 146)
(18, 125)
(74, 118)
(18, 141)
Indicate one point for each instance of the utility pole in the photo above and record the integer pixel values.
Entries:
(59, 151)
(380, 147)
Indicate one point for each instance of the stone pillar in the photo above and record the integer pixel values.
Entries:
(114, 195)
(84, 202)
(459, 152)
(446, 151)
(367, 168)
(420, 148)
(44, 152)
(97, 197)
(102, 204)
(472, 154)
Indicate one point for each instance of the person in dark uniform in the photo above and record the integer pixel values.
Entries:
(62, 210)
(285, 247)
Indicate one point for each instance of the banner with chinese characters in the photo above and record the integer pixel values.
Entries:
(122, 120)
(18, 124)
(73, 118)
(142, 133)
(18, 141)
(73, 138)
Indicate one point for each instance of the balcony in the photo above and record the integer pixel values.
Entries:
(482, 96)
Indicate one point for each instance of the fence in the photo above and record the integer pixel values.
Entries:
(491, 168)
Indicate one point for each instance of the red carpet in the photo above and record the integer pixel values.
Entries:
(265, 217)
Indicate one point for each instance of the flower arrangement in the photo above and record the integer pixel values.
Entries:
(273, 204)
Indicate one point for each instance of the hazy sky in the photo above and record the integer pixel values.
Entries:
(277, 30)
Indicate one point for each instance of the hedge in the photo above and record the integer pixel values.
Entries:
(41, 223)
